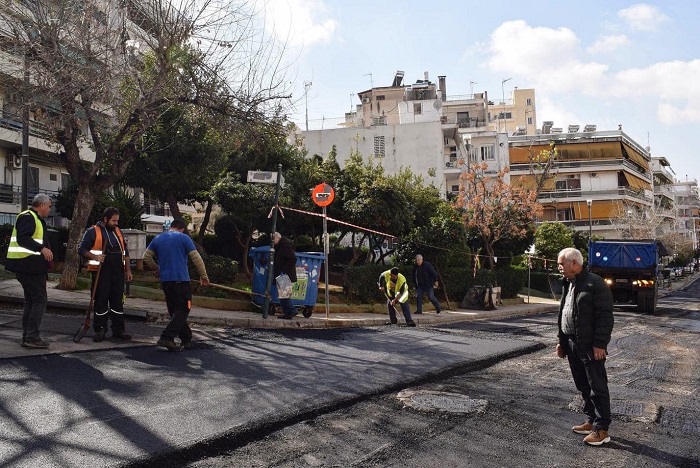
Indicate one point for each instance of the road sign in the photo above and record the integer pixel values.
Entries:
(264, 177)
(323, 194)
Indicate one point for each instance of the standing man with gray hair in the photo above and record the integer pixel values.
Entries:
(28, 256)
(426, 279)
(585, 327)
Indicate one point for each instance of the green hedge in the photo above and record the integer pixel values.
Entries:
(539, 280)
(361, 281)
(221, 270)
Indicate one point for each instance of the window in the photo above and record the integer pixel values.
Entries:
(462, 117)
(53, 177)
(565, 215)
(529, 120)
(455, 188)
(379, 146)
(487, 153)
(65, 180)
(529, 102)
(446, 141)
(453, 153)
(380, 98)
(417, 108)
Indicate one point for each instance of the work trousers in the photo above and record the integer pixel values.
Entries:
(109, 295)
(405, 309)
(178, 299)
(591, 380)
(430, 292)
(35, 300)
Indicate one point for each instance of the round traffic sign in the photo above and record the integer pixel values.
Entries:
(323, 194)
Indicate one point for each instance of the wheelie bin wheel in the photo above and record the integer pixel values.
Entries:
(307, 311)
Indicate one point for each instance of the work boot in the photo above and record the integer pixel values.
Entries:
(584, 428)
(35, 344)
(121, 336)
(99, 336)
(187, 345)
(597, 437)
(170, 344)
(410, 323)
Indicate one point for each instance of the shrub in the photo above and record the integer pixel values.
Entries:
(221, 270)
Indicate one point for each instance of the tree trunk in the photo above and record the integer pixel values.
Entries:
(174, 208)
(81, 212)
(205, 221)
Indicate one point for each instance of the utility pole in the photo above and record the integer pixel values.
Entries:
(307, 85)
(503, 107)
(25, 136)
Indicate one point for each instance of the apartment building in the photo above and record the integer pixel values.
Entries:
(419, 126)
(596, 177)
(687, 203)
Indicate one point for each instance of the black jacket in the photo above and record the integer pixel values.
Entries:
(593, 313)
(285, 259)
(424, 276)
(34, 263)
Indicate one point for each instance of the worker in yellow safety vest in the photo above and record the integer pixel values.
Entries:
(394, 286)
(29, 256)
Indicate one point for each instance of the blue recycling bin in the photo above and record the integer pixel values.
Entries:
(305, 289)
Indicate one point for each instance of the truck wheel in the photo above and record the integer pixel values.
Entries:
(646, 304)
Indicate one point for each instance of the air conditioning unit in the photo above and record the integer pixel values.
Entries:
(449, 164)
(15, 161)
(365, 100)
(572, 176)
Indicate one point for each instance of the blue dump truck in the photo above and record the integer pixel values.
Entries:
(631, 269)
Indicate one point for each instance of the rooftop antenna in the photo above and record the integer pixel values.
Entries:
(471, 87)
(351, 95)
(371, 81)
(307, 85)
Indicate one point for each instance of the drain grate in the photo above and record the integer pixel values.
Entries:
(429, 400)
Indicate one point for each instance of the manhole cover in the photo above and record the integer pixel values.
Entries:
(428, 400)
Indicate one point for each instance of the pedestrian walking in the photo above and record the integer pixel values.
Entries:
(395, 287)
(285, 263)
(426, 280)
(585, 327)
(167, 254)
(104, 248)
(28, 257)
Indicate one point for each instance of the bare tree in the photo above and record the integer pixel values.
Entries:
(101, 72)
(630, 221)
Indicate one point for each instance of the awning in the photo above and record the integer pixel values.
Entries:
(635, 157)
(636, 183)
(530, 182)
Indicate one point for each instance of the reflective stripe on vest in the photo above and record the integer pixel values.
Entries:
(400, 281)
(14, 250)
(97, 246)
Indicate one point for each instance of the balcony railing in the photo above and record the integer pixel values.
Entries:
(12, 194)
(12, 121)
(595, 194)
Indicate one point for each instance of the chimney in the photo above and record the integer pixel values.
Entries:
(441, 87)
(425, 76)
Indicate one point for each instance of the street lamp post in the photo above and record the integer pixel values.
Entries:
(503, 96)
(589, 202)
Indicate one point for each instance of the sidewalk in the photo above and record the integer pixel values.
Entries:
(69, 306)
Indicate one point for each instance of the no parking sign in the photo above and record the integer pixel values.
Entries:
(323, 194)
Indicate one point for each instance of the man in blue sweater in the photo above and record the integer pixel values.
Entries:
(171, 250)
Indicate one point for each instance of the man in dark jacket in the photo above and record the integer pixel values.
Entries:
(585, 326)
(426, 279)
(285, 262)
(28, 256)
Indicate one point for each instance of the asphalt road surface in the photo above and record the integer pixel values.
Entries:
(518, 412)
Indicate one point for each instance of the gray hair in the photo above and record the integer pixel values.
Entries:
(419, 257)
(276, 236)
(40, 199)
(571, 253)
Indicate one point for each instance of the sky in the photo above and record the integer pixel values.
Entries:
(607, 63)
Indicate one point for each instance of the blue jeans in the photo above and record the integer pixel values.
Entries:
(431, 297)
(405, 309)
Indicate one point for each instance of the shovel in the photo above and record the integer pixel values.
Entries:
(86, 325)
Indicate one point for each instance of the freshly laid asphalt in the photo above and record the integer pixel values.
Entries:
(118, 403)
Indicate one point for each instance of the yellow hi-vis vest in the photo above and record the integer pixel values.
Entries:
(14, 250)
(97, 247)
(400, 281)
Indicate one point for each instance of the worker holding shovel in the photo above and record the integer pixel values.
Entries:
(394, 286)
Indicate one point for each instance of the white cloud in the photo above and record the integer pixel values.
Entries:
(608, 44)
(642, 17)
(299, 22)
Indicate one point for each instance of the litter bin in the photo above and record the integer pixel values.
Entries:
(305, 289)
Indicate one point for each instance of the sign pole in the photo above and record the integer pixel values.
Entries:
(325, 254)
(271, 263)
(323, 195)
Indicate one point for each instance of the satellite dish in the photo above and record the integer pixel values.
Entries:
(437, 104)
